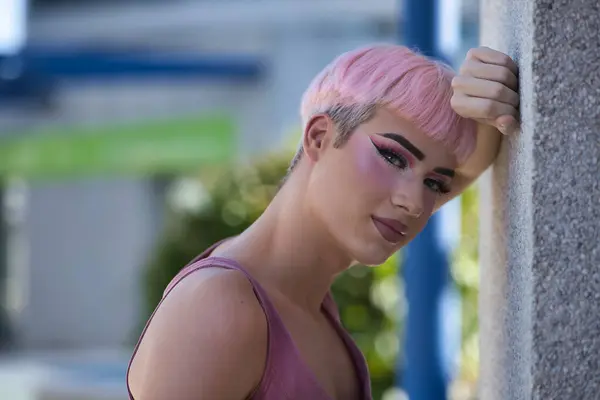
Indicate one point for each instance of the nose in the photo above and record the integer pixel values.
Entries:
(409, 195)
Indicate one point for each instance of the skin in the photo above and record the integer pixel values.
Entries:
(319, 224)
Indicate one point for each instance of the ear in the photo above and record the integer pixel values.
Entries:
(318, 134)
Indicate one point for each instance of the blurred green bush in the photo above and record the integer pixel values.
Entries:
(371, 300)
(465, 270)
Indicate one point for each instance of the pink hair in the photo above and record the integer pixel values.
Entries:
(392, 76)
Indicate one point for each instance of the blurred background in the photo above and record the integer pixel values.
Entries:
(134, 134)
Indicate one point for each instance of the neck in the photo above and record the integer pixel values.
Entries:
(289, 250)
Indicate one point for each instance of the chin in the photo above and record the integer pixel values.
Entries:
(369, 251)
(372, 257)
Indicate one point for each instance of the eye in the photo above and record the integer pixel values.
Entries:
(437, 186)
(392, 157)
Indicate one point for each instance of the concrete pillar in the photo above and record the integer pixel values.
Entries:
(540, 248)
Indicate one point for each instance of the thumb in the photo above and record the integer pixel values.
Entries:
(506, 124)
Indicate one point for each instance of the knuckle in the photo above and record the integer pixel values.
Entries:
(497, 90)
(466, 69)
(472, 54)
(516, 100)
(506, 75)
(454, 100)
(504, 59)
(489, 107)
(456, 103)
(456, 82)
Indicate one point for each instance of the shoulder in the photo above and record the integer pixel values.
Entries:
(212, 293)
(208, 339)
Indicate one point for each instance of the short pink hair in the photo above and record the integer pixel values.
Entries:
(409, 84)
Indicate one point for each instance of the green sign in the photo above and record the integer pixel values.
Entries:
(149, 147)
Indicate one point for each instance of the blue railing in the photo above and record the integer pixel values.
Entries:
(34, 72)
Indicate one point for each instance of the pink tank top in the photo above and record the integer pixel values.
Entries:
(286, 376)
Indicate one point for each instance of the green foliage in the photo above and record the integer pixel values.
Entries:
(236, 197)
(368, 298)
(465, 270)
(371, 300)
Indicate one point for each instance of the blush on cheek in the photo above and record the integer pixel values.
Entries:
(371, 167)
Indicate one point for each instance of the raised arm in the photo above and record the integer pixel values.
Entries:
(208, 340)
(485, 90)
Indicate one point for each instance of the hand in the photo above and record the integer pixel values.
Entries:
(485, 89)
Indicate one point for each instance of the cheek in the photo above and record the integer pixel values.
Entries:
(371, 169)
(429, 200)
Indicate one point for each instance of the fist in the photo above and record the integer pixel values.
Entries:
(486, 89)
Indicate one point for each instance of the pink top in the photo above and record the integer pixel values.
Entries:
(286, 376)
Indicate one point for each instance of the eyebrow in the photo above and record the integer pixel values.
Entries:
(445, 171)
(404, 142)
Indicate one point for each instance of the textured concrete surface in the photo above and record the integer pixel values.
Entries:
(540, 289)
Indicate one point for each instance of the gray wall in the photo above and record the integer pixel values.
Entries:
(87, 241)
(540, 288)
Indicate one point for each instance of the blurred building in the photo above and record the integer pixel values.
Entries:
(102, 112)
(77, 244)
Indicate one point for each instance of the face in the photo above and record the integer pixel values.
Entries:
(377, 191)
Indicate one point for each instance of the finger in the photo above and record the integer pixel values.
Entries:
(491, 56)
(506, 124)
(490, 72)
(485, 89)
(480, 108)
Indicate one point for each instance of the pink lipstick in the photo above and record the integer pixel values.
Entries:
(390, 229)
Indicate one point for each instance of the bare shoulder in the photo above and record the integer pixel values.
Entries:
(208, 339)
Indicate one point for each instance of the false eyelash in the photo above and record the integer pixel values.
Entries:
(443, 188)
(384, 150)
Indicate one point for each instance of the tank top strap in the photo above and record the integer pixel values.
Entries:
(227, 263)
(280, 345)
(279, 339)
(206, 253)
(193, 265)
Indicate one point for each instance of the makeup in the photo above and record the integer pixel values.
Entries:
(391, 230)
(445, 171)
(393, 150)
(401, 153)
(369, 163)
(404, 142)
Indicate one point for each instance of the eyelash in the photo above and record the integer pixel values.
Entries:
(390, 156)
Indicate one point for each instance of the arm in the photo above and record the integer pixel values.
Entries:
(486, 91)
(208, 340)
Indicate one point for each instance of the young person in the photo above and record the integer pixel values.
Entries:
(389, 137)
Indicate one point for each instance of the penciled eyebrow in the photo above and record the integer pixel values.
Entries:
(445, 171)
(404, 142)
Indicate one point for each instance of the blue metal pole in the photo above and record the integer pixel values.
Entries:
(417, 28)
(432, 333)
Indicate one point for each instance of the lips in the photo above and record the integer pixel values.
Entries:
(390, 229)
